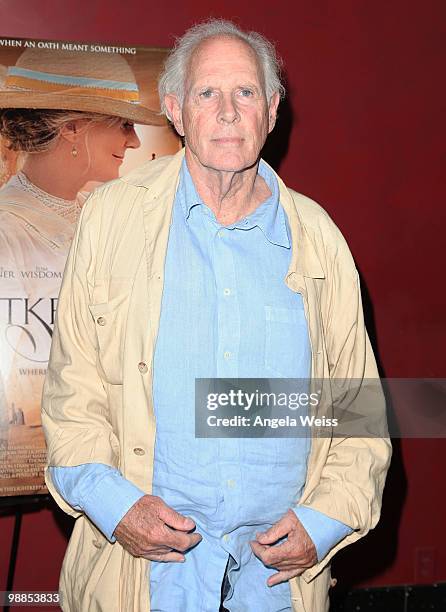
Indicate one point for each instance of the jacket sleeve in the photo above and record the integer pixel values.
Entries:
(349, 484)
(75, 414)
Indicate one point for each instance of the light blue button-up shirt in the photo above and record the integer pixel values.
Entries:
(228, 315)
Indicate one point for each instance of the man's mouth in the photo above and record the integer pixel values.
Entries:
(229, 140)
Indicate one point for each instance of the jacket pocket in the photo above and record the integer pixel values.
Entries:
(297, 604)
(311, 596)
(110, 320)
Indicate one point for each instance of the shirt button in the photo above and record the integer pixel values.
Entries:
(230, 483)
(101, 321)
(220, 233)
(139, 451)
(226, 537)
(227, 354)
(227, 291)
(142, 367)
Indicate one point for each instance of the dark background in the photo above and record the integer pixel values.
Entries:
(362, 132)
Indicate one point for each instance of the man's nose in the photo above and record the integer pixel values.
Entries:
(132, 141)
(228, 112)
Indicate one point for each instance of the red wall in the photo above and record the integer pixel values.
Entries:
(361, 133)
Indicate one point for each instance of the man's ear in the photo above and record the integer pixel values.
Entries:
(174, 112)
(272, 111)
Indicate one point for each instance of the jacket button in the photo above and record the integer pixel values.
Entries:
(97, 544)
(142, 367)
(101, 321)
(139, 451)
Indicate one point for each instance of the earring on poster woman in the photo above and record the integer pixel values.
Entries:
(74, 151)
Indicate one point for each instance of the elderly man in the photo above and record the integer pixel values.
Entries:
(204, 265)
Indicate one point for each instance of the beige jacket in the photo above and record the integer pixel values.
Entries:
(97, 403)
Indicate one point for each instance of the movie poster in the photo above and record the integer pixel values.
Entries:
(49, 163)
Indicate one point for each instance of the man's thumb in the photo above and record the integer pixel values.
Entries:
(176, 520)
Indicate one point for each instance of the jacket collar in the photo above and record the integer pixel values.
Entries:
(162, 184)
(304, 256)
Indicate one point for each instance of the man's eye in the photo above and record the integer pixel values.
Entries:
(246, 93)
(207, 93)
(128, 125)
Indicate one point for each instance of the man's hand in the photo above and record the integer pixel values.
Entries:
(153, 530)
(293, 556)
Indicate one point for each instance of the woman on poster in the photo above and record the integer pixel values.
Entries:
(71, 116)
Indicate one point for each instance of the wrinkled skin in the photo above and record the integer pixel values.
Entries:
(291, 557)
(153, 530)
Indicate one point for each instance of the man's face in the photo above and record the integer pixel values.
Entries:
(225, 116)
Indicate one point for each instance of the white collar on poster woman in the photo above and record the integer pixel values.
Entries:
(67, 209)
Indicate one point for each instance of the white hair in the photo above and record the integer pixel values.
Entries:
(172, 79)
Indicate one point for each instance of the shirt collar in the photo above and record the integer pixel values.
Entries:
(160, 179)
(269, 216)
(188, 194)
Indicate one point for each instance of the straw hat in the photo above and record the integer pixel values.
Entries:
(75, 80)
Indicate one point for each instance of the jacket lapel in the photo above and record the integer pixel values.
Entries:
(157, 218)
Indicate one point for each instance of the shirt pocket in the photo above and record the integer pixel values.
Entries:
(287, 347)
(110, 320)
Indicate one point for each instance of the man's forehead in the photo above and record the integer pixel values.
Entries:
(224, 56)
